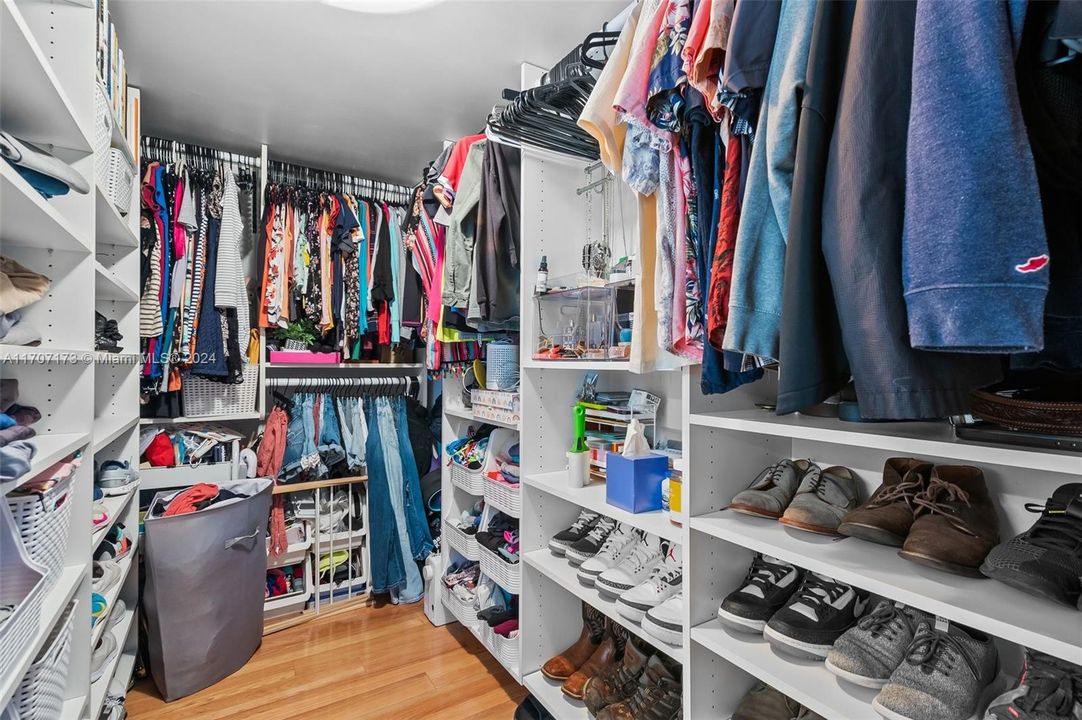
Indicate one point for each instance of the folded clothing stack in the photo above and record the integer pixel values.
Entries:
(508, 471)
(502, 613)
(501, 537)
(15, 432)
(470, 520)
(19, 287)
(461, 579)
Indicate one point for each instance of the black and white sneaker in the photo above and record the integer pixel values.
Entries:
(590, 544)
(565, 538)
(816, 615)
(766, 588)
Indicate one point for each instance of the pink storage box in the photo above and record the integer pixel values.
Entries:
(303, 357)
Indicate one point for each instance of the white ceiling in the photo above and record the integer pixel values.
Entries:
(368, 94)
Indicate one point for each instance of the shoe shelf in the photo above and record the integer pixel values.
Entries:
(917, 439)
(108, 429)
(111, 596)
(114, 507)
(980, 603)
(111, 228)
(34, 106)
(111, 287)
(29, 219)
(549, 694)
(51, 448)
(99, 689)
(807, 682)
(564, 574)
(592, 497)
(52, 607)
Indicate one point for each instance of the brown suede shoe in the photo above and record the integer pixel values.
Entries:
(889, 512)
(763, 702)
(616, 683)
(956, 525)
(563, 665)
(608, 654)
(659, 701)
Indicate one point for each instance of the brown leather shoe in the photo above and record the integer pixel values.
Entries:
(617, 683)
(763, 702)
(608, 653)
(659, 701)
(889, 512)
(563, 665)
(956, 525)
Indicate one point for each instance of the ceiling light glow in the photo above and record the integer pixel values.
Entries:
(382, 7)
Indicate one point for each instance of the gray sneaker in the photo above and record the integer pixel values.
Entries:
(773, 489)
(871, 650)
(822, 500)
(1048, 689)
(942, 677)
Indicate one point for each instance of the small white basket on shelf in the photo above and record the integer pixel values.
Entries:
(472, 481)
(119, 181)
(503, 497)
(43, 521)
(506, 575)
(40, 695)
(23, 588)
(505, 650)
(103, 134)
(204, 397)
(464, 612)
(465, 545)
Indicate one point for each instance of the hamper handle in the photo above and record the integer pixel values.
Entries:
(248, 539)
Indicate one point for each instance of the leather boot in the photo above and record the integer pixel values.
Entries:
(660, 701)
(593, 631)
(608, 654)
(617, 683)
(889, 512)
(956, 525)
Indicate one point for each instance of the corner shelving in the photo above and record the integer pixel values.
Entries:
(29, 219)
(111, 287)
(111, 227)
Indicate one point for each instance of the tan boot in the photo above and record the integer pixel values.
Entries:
(608, 654)
(563, 665)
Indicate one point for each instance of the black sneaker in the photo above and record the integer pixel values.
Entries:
(1045, 560)
(1047, 689)
(590, 544)
(766, 588)
(816, 615)
(565, 538)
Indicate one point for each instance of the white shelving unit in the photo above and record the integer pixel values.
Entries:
(87, 247)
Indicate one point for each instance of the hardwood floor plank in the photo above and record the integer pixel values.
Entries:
(373, 663)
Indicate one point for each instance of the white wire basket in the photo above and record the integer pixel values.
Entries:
(501, 366)
(503, 497)
(464, 612)
(103, 133)
(506, 650)
(466, 545)
(204, 397)
(23, 588)
(43, 521)
(118, 187)
(40, 695)
(506, 575)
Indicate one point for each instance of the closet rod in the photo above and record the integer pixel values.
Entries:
(154, 146)
(406, 382)
(291, 173)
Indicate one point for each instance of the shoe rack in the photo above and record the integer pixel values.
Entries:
(88, 400)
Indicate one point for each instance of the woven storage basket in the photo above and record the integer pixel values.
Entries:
(506, 575)
(119, 181)
(472, 481)
(103, 133)
(206, 397)
(504, 498)
(466, 545)
(40, 695)
(464, 612)
(501, 366)
(505, 649)
(23, 588)
(43, 521)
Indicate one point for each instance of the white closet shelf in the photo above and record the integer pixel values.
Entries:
(807, 682)
(984, 604)
(467, 414)
(294, 554)
(111, 596)
(52, 607)
(549, 694)
(622, 365)
(123, 673)
(98, 690)
(110, 287)
(110, 226)
(563, 574)
(905, 438)
(592, 497)
(73, 708)
(33, 105)
(254, 415)
(43, 355)
(29, 220)
(114, 507)
(108, 429)
(51, 448)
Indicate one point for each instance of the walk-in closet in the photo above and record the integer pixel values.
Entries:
(541, 359)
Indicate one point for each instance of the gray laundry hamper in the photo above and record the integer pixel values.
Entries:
(205, 580)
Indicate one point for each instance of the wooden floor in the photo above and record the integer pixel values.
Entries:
(385, 662)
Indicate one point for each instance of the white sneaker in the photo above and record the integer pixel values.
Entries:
(616, 549)
(104, 575)
(103, 654)
(666, 621)
(664, 582)
(642, 560)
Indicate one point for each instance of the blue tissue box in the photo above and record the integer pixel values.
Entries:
(634, 483)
